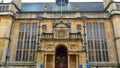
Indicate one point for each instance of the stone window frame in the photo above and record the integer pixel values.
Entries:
(96, 35)
(27, 36)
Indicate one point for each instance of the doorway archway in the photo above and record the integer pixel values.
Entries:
(61, 59)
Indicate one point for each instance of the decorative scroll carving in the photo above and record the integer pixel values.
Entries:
(61, 33)
(49, 47)
(72, 46)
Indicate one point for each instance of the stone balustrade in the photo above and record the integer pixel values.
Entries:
(4, 7)
(71, 36)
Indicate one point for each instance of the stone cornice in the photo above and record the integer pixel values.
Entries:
(116, 38)
(34, 16)
(7, 13)
(19, 63)
(103, 64)
(5, 38)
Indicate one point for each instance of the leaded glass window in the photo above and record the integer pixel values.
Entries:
(97, 46)
(26, 48)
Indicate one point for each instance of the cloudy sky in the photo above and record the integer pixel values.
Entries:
(7, 1)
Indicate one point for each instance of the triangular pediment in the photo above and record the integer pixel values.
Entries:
(61, 24)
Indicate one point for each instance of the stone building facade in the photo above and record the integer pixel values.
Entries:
(33, 36)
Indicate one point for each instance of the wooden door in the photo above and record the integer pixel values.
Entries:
(61, 58)
(61, 62)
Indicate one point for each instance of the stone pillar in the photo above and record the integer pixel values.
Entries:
(82, 59)
(68, 61)
(76, 61)
(53, 61)
(45, 61)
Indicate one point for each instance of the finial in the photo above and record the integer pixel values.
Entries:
(77, 8)
(11, 1)
(46, 8)
(2, 1)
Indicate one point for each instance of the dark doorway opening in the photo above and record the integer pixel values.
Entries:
(61, 60)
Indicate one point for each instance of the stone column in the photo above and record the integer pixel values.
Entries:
(45, 61)
(76, 61)
(68, 61)
(53, 61)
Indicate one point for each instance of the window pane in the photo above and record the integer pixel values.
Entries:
(21, 27)
(20, 54)
(89, 44)
(34, 44)
(19, 45)
(23, 56)
(97, 54)
(98, 44)
(25, 45)
(31, 44)
(90, 34)
(34, 27)
(107, 56)
(89, 55)
(28, 27)
(96, 47)
(92, 55)
(105, 45)
(17, 56)
(28, 35)
(100, 56)
(104, 56)
(26, 55)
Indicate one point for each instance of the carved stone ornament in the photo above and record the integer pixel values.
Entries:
(49, 46)
(72, 46)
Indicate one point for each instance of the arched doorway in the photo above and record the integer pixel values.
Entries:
(61, 58)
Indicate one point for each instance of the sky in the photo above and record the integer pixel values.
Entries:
(7, 1)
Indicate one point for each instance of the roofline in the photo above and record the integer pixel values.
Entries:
(56, 18)
(63, 12)
(54, 2)
(117, 2)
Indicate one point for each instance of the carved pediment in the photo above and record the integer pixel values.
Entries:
(61, 30)
(61, 24)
